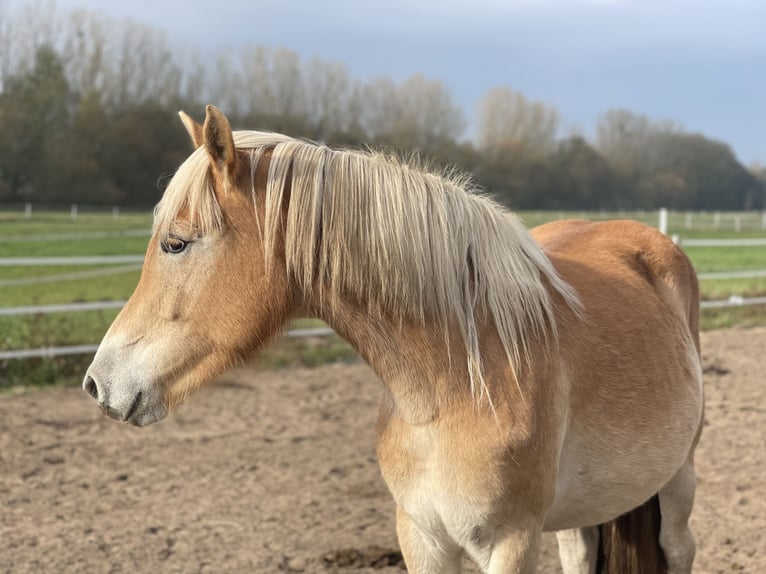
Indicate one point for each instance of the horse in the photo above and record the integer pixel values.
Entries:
(543, 380)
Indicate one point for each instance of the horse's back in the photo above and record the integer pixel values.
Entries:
(632, 358)
(624, 253)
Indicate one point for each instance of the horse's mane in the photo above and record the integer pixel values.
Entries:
(409, 242)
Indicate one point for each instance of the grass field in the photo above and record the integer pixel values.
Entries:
(56, 234)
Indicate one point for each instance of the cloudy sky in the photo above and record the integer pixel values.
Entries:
(698, 62)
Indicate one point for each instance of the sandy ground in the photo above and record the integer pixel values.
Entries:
(276, 472)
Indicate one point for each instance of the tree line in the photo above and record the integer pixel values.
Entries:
(88, 114)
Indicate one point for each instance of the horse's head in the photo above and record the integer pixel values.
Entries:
(206, 296)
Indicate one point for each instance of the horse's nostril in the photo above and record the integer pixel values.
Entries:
(90, 387)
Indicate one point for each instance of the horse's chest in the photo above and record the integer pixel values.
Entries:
(434, 485)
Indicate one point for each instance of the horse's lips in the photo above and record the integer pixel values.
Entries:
(130, 414)
(133, 408)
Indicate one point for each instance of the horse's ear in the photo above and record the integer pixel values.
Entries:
(218, 139)
(194, 129)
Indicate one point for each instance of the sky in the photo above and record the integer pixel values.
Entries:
(699, 63)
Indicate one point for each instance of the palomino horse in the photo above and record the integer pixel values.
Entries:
(543, 381)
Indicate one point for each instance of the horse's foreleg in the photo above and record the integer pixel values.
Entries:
(676, 501)
(424, 554)
(516, 552)
(578, 550)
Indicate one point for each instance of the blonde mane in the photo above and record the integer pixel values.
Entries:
(414, 244)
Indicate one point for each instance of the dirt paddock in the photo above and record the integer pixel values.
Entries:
(276, 472)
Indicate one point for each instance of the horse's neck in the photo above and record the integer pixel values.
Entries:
(412, 360)
(424, 371)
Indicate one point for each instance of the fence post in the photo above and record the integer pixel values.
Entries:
(737, 223)
(688, 220)
(115, 212)
(663, 226)
(716, 220)
(28, 211)
(73, 212)
(763, 220)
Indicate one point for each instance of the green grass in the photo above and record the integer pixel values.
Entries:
(306, 352)
(723, 288)
(727, 317)
(14, 224)
(57, 329)
(88, 327)
(706, 259)
(31, 271)
(68, 247)
(104, 288)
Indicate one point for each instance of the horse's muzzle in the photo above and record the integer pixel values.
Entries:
(135, 407)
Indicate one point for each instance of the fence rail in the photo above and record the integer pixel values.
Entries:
(755, 242)
(75, 236)
(72, 276)
(64, 261)
(673, 220)
(715, 275)
(733, 301)
(48, 352)
(63, 308)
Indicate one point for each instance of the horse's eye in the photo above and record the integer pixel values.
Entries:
(173, 245)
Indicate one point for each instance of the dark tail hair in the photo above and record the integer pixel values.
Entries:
(630, 544)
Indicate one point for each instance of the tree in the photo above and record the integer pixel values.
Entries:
(81, 172)
(508, 123)
(419, 114)
(714, 178)
(580, 178)
(88, 113)
(142, 146)
(629, 140)
(34, 112)
(330, 90)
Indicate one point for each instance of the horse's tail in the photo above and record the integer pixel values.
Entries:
(629, 544)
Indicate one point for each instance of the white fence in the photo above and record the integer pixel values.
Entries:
(754, 242)
(665, 219)
(36, 210)
(47, 352)
(62, 261)
(711, 221)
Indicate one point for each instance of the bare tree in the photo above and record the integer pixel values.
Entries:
(419, 113)
(631, 142)
(85, 52)
(377, 102)
(254, 86)
(508, 120)
(225, 87)
(23, 31)
(287, 85)
(330, 90)
(5, 45)
(266, 87)
(428, 111)
(195, 85)
(143, 65)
